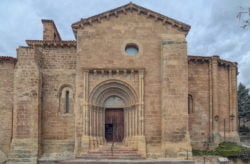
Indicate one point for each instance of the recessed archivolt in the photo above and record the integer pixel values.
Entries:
(113, 92)
(113, 88)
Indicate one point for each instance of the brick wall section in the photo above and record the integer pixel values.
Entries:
(6, 100)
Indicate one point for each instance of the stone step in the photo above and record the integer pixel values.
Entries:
(110, 161)
(112, 157)
(103, 155)
(114, 148)
(105, 152)
(114, 152)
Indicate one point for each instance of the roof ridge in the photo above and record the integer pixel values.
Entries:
(131, 7)
(51, 43)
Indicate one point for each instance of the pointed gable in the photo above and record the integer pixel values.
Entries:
(131, 7)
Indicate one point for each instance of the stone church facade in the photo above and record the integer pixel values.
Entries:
(126, 78)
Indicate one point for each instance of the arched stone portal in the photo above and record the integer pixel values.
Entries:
(113, 113)
(110, 90)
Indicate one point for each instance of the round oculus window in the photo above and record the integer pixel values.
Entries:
(131, 49)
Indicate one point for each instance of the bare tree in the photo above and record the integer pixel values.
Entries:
(244, 17)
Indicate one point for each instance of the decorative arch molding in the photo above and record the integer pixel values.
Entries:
(113, 87)
(100, 85)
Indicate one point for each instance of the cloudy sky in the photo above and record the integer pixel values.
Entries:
(215, 28)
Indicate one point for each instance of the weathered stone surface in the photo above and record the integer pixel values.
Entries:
(52, 100)
(3, 157)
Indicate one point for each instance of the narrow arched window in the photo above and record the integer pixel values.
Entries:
(190, 104)
(67, 102)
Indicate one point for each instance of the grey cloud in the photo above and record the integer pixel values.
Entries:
(215, 28)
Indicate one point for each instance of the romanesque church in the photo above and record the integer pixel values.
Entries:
(126, 79)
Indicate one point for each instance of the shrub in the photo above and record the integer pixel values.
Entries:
(203, 152)
(226, 149)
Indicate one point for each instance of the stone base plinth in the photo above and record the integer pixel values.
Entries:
(110, 161)
(85, 144)
(141, 145)
(180, 150)
(23, 151)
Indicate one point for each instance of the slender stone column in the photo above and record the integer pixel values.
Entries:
(126, 122)
(94, 124)
(229, 98)
(98, 122)
(91, 121)
(125, 127)
(136, 120)
(79, 112)
(86, 106)
(141, 140)
(129, 122)
(141, 103)
(132, 121)
(234, 104)
(216, 118)
(83, 82)
(103, 121)
(210, 137)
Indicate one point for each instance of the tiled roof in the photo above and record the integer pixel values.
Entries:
(8, 58)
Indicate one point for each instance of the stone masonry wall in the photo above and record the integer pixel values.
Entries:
(174, 104)
(213, 87)
(6, 106)
(58, 71)
(198, 88)
(102, 46)
(27, 107)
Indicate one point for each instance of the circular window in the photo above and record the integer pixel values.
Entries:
(131, 49)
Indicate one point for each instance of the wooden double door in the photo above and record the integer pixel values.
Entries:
(114, 124)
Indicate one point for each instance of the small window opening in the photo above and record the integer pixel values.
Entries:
(67, 102)
(131, 49)
(54, 36)
(190, 104)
